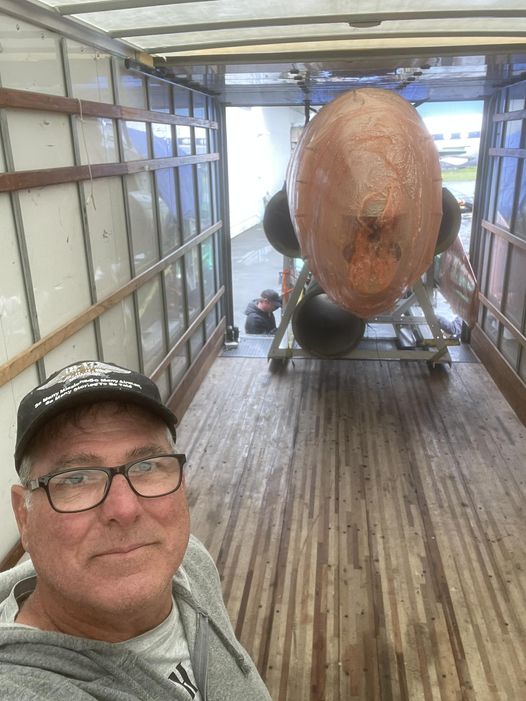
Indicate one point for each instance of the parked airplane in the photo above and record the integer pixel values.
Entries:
(456, 137)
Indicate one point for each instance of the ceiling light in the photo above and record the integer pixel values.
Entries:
(365, 25)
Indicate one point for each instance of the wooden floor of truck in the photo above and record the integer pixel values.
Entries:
(368, 523)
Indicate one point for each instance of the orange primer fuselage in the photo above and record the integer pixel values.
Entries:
(365, 196)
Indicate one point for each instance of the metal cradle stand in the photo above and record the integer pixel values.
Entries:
(410, 332)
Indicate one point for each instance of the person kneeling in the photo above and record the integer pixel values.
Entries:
(260, 313)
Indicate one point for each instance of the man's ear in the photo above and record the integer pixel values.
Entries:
(18, 502)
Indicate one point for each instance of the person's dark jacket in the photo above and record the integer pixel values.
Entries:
(259, 321)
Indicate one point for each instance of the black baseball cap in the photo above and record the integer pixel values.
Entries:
(271, 296)
(85, 382)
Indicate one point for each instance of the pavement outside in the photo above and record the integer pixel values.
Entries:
(256, 266)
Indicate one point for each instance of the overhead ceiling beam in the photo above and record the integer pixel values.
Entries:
(98, 6)
(373, 17)
(298, 39)
(303, 56)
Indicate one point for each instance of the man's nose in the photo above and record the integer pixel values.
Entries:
(121, 503)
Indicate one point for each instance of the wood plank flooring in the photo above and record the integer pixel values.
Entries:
(368, 522)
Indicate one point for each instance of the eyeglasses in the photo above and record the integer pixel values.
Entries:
(79, 489)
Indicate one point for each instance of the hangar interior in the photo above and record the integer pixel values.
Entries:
(367, 517)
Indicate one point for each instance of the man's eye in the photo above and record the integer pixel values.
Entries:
(144, 466)
(72, 479)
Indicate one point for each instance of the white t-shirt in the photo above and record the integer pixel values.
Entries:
(165, 647)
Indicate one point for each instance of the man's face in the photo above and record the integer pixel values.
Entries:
(121, 555)
(268, 306)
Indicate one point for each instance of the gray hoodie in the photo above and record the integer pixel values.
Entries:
(39, 665)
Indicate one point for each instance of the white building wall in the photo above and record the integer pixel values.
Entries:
(258, 140)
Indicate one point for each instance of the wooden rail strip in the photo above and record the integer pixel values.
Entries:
(512, 238)
(503, 320)
(187, 334)
(510, 384)
(26, 179)
(509, 116)
(26, 100)
(12, 557)
(513, 152)
(189, 384)
(40, 348)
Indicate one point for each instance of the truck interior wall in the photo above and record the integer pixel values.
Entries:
(499, 244)
(111, 224)
(114, 239)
